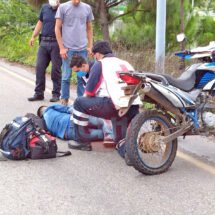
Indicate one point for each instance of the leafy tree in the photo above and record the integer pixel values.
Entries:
(16, 17)
(102, 12)
(36, 3)
(137, 33)
(16, 22)
(138, 29)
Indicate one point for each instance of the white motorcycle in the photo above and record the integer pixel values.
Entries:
(180, 107)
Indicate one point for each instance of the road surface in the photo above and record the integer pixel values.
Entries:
(97, 182)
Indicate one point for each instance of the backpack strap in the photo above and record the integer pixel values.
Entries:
(67, 153)
(24, 125)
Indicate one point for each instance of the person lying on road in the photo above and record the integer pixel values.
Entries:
(59, 122)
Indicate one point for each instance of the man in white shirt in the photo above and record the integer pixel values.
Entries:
(102, 98)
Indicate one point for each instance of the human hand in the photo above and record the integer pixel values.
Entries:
(31, 42)
(63, 53)
(89, 50)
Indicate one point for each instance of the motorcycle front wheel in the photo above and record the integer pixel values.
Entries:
(147, 155)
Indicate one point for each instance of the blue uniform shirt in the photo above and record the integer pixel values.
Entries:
(47, 17)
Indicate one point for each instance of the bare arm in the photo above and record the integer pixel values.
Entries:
(36, 32)
(58, 29)
(90, 37)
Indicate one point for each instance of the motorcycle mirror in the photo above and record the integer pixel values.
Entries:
(181, 37)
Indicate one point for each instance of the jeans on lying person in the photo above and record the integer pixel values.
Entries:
(101, 107)
(95, 127)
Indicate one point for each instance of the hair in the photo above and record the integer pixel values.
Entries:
(102, 47)
(40, 111)
(77, 60)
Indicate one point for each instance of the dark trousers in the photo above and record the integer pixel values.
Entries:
(102, 107)
(48, 52)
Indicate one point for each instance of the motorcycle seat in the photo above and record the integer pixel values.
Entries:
(186, 81)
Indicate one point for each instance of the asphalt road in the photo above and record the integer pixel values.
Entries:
(97, 182)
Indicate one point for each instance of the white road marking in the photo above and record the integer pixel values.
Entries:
(22, 78)
(195, 162)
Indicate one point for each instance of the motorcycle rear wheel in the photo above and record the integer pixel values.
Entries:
(146, 155)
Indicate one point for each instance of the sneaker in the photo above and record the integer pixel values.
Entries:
(54, 99)
(64, 101)
(127, 160)
(80, 146)
(120, 147)
(36, 98)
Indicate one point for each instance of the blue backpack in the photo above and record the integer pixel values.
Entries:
(14, 136)
(23, 138)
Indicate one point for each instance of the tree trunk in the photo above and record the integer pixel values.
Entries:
(104, 20)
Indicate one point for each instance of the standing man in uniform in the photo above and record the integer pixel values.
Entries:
(48, 51)
(74, 33)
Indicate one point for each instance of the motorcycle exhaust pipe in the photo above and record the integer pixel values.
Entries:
(152, 93)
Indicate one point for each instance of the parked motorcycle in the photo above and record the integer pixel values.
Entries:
(182, 106)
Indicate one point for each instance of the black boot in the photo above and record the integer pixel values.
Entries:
(36, 98)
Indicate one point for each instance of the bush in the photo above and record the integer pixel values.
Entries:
(17, 49)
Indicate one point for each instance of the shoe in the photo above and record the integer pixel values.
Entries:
(80, 146)
(64, 101)
(127, 160)
(108, 138)
(120, 147)
(54, 99)
(36, 98)
(108, 141)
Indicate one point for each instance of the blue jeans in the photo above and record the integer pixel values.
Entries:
(101, 107)
(67, 73)
(96, 130)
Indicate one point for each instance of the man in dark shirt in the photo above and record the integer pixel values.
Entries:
(48, 51)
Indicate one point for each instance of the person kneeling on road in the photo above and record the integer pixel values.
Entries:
(103, 97)
(59, 122)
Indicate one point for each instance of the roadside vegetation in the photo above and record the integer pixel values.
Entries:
(133, 24)
(17, 20)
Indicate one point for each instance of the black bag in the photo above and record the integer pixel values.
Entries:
(39, 122)
(42, 145)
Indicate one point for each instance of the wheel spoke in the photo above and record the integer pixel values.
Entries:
(152, 153)
(143, 148)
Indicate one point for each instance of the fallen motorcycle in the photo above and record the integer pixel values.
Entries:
(182, 106)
